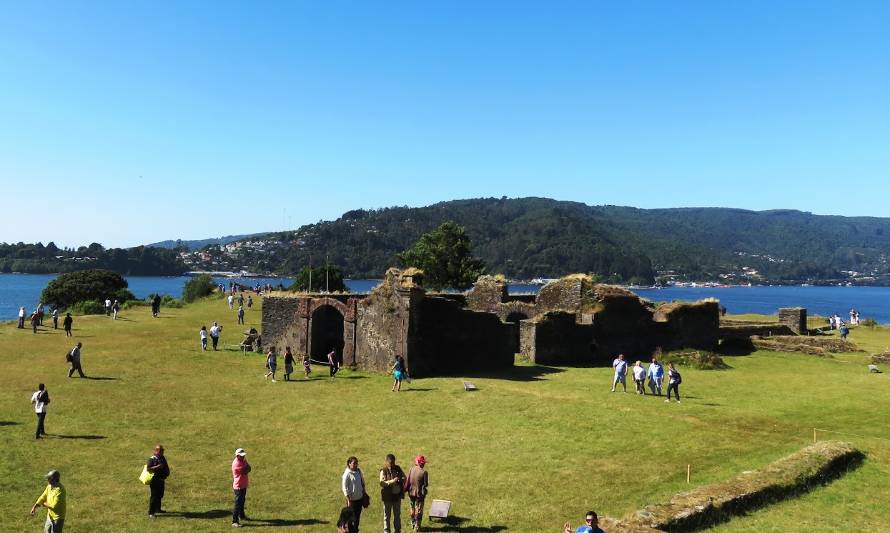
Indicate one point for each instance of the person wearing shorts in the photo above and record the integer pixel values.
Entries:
(271, 363)
(620, 366)
(307, 365)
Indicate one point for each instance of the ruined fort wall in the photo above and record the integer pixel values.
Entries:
(283, 323)
(382, 322)
(688, 325)
(556, 338)
(447, 339)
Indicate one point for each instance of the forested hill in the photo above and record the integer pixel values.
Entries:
(50, 259)
(539, 237)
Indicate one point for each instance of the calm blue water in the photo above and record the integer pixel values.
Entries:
(872, 302)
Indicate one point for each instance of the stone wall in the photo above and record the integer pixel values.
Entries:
(447, 339)
(556, 338)
(382, 324)
(282, 325)
(795, 318)
(688, 325)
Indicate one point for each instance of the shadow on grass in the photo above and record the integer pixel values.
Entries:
(454, 523)
(82, 437)
(416, 390)
(283, 522)
(214, 513)
(102, 378)
(350, 377)
(9, 423)
(519, 373)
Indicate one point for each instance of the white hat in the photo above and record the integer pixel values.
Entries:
(240, 452)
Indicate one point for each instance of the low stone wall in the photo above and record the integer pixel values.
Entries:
(810, 345)
(710, 504)
(281, 324)
(688, 325)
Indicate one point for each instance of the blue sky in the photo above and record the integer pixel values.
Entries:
(131, 122)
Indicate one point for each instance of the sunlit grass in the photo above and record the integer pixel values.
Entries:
(531, 449)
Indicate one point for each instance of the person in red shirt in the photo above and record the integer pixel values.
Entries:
(240, 469)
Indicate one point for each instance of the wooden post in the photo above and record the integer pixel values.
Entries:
(814, 435)
(688, 473)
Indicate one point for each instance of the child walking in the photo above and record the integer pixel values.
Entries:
(271, 363)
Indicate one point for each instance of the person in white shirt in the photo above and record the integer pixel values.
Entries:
(620, 366)
(203, 334)
(353, 485)
(214, 334)
(231, 301)
(39, 400)
(639, 377)
(107, 307)
(22, 317)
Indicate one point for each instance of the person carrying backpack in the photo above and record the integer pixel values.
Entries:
(674, 380)
(40, 399)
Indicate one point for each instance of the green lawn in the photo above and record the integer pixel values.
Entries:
(528, 451)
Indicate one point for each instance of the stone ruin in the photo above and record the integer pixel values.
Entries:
(571, 321)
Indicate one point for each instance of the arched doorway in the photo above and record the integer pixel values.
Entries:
(326, 333)
(514, 318)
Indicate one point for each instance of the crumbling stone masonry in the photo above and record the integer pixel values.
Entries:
(570, 321)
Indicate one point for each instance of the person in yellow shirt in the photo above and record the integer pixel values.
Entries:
(53, 498)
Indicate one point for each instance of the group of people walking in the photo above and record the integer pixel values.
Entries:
(655, 374)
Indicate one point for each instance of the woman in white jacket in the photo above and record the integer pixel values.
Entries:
(353, 485)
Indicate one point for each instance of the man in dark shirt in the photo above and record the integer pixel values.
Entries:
(157, 465)
(67, 324)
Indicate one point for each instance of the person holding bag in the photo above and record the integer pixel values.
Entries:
(353, 486)
(392, 480)
(159, 469)
(417, 486)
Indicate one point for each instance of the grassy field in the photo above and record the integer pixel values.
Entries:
(531, 449)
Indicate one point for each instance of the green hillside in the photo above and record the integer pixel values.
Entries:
(539, 237)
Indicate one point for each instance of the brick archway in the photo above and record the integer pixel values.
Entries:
(344, 343)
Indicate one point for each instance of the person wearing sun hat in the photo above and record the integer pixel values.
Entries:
(416, 485)
(53, 498)
(240, 470)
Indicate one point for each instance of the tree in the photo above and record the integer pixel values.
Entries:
(445, 256)
(323, 278)
(85, 286)
(198, 287)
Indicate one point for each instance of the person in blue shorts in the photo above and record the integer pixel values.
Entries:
(620, 366)
(591, 525)
(398, 373)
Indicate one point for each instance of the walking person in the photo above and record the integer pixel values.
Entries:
(156, 305)
(249, 302)
(307, 365)
(392, 481)
(288, 363)
(157, 465)
(40, 399)
(639, 377)
(398, 372)
(55, 318)
(417, 486)
(332, 362)
(107, 306)
(674, 380)
(74, 359)
(620, 366)
(53, 498)
(656, 374)
(214, 334)
(115, 309)
(22, 317)
(231, 300)
(203, 334)
(353, 485)
(240, 314)
(35, 321)
(271, 363)
(240, 470)
(67, 324)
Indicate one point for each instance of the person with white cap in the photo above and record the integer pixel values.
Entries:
(53, 498)
(240, 470)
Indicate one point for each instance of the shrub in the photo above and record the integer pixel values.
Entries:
(89, 307)
(700, 360)
(198, 287)
(869, 323)
(134, 303)
(171, 302)
(85, 286)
